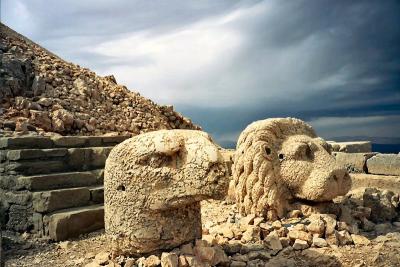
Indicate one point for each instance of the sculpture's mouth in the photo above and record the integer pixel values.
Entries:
(308, 202)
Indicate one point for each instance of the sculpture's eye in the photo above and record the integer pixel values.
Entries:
(266, 151)
(121, 188)
(308, 152)
(281, 157)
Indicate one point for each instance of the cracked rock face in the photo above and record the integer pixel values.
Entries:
(282, 161)
(153, 185)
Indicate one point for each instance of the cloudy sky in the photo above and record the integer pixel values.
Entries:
(335, 64)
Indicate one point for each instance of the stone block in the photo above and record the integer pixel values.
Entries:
(60, 180)
(97, 195)
(95, 141)
(77, 158)
(37, 220)
(69, 141)
(383, 182)
(8, 182)
(387, 164)
(351, 147)
(3, 155)
(25, 142)
(98, 156)
(35, 167)
(22, 154)
(113, 140)
(20, 198)
(49, 201)
(353, 162)
(74, 222)
(19, 218)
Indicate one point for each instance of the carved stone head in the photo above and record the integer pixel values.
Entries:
(279, 161)
(153, 185)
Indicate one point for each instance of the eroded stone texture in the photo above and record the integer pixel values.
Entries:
(153, 184)
(280, 161)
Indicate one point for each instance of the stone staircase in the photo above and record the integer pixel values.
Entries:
(53, 186)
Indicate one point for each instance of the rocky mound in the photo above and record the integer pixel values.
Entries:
(41, 92)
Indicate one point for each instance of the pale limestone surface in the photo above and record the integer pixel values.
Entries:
(153, 184)
(279, 161)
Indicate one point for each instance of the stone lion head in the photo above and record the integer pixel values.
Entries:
(279, 161)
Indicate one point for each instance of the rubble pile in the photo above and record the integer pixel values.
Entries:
(230, 239)
(40, 92)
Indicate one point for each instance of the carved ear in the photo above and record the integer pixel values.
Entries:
(168, 144)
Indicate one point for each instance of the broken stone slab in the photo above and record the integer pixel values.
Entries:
(353, 162)
(74, 222)
(351, 147)
(383, 182)
(386, 164)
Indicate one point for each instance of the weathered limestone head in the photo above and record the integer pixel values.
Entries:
(281, 161)
(153, 186)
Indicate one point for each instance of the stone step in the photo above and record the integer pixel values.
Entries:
(44, 161)
(30, 142)
(22, 154)
(97, 194)
(34, 167)
(383, 182)
(70, 223)
(53, 200)
(60, 180)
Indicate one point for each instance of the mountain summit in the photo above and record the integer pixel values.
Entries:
(41, 92)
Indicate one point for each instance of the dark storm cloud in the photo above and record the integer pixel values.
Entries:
(106, 18)
(227, 63)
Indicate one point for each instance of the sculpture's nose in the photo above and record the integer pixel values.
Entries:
(341, 178)
(213, 154)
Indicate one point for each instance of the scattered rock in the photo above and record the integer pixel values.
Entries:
(302, 235)
(273, 241)
(102, 258)
(151, 261)
(360, 240)
(319, 242)
(169, 260)
(300, 244)
(344, 238)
